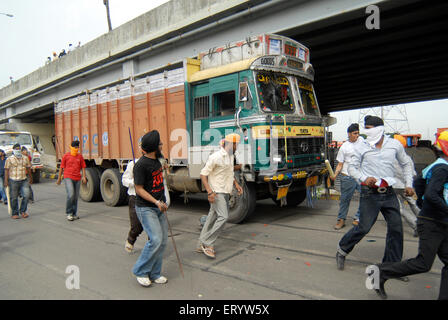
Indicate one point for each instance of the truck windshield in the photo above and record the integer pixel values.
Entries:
(309, 102)
(9, 139)
(275, 92)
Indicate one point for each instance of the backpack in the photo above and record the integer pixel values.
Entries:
(419, 184)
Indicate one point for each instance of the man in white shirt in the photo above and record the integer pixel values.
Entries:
(372, 164)
(217, 176)
(348, 184)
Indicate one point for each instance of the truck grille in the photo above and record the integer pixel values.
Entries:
(300, 146)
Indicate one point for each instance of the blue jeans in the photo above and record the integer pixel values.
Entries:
(371, 203)
(348, 187)
(72, 188)
(156, 227)
(2, 190)
(17, 187)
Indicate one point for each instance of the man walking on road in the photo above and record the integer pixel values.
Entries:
(348, 184)
(218, 179)
(150, 207)
(72, 165)
(17, 167)
(372, 164)
(432, 226)
(4, 198)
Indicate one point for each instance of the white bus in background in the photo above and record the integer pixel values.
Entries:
(9, 138)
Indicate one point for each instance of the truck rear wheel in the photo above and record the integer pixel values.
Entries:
(112, 190)
(293, 199)
(242, 207)
(90, 191)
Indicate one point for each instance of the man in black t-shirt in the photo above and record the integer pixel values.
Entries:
(150, 207)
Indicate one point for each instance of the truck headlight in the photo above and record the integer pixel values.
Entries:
(277, 158)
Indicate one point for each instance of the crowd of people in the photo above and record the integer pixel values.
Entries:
(63, 52)
(377, 166)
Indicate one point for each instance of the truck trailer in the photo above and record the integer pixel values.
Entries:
(260, 87)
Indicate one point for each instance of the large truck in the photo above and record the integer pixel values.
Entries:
(261, 88)
(9, 138)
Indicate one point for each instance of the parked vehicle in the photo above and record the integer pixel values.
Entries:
(9, 138)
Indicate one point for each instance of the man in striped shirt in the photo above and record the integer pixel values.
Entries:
(17, 167)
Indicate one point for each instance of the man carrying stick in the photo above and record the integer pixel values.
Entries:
(150, 207)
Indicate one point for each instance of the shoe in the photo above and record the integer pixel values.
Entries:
(5, 203)
(70, 217)
(381, 291)
(128, 247)
(25, 215)
(161, 280)
(76, 217)
(144, 281)
(340, 261)
(16, 216)
(355, 222)
(208, 251)
(340, 224)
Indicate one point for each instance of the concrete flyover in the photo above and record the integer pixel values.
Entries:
(355, 67)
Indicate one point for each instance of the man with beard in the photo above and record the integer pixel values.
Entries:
(218, 178)
(372, 164)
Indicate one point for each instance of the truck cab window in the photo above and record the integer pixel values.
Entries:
(224, 103)
(309, 102)
(275, 92)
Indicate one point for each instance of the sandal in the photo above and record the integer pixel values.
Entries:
(208, 251)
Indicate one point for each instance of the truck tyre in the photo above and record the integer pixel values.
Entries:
(112, 190)
(36, 176)
(293, 199)
(242, 207)
(90, 191)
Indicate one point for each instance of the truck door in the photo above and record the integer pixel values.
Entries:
(200, 112)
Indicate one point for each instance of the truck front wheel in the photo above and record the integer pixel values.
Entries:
(112, 190)
(241, 207)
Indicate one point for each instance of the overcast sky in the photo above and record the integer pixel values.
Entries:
(40, 27)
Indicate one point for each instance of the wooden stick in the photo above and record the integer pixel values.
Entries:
(174, 244)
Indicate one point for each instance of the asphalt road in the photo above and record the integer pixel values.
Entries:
(279, 254)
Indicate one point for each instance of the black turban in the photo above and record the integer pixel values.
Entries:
(151, 141)
(353, 127)
(373, 121)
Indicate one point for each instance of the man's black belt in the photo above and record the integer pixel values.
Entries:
(377, 189)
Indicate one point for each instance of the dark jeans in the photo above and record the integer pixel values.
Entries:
(371, 203)
(433, 240)
(136, 226)
(19, 187)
